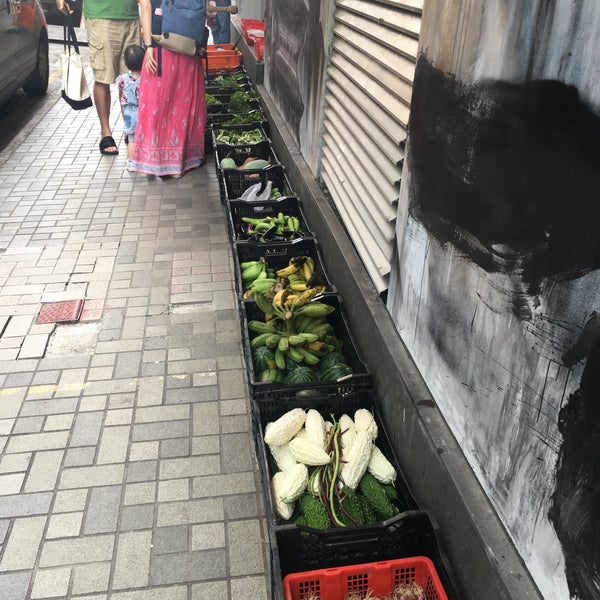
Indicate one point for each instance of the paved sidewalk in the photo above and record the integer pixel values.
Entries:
(127, 466)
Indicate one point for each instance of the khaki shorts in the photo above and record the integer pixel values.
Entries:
(107, 40)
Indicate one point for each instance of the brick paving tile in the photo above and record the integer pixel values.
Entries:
(127, 467)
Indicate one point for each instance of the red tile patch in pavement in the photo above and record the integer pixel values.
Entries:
(60, 312)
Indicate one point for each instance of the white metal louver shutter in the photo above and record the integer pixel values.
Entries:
(367, 104)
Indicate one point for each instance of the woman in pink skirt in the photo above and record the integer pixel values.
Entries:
(172, 108)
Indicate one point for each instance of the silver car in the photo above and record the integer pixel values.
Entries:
(24, 61)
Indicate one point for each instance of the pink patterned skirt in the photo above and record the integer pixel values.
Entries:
(169, 138)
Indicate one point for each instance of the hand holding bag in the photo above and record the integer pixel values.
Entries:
(74, 84)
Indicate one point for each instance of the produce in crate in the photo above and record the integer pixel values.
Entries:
(341, 487)
(303, 277)
(280, 227)
(229, 80)
(296, 330)
(403, 591)
(254, 116)
(234, 137)
(240, 102)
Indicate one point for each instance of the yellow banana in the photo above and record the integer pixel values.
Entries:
(298, 287)
(289, 270)
(278, 299)
(304, 298)
(307, 271)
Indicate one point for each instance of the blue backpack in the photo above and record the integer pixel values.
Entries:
(180, 25)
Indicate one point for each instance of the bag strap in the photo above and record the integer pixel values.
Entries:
(69, 36)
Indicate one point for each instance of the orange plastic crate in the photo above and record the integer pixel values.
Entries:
(379, 578)
(223, 57)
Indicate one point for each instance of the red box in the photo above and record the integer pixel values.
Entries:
(379, 578)
(249, 25)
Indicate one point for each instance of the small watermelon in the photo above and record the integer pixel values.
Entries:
(264, 358)
(272, 375)
(336, 371)
(300, 374)
(335, 356)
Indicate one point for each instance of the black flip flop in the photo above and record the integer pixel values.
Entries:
(108, 142)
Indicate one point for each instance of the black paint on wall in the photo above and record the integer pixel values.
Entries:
(507, 173)
(575, 509)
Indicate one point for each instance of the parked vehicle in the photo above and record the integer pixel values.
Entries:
(24, 57)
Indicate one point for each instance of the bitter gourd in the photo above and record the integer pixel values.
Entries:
(314, 511)
(375, 495)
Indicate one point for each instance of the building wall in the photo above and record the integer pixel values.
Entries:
(295, 39)
(495, 284)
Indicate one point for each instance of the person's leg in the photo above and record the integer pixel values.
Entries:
(107, 41)
(102, 101)
(221, 29)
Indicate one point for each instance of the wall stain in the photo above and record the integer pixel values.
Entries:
(575, 508)
(508, 174)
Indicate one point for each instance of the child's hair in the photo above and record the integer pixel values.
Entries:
(134, 57)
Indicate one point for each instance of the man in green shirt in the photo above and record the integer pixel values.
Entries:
(111, 27)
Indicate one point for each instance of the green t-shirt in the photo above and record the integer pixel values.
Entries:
(110, 9)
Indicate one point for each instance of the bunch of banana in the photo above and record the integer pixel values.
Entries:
(297, 327)
(256, 275)
(280, 225)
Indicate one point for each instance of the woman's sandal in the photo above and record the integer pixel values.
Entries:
(108, 142)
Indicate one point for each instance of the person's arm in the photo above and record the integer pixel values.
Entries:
(233, 9)
(146, 23)
(63, 7)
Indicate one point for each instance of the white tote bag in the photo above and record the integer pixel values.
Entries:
(75, 89)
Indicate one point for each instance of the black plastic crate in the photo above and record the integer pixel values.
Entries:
(219, 118)
(238, 181)
(277, 256)
(361, 379)
(237, 209)
(241, 152)
(223, 103)
(409, 534)
(216, 90)
(296, 548)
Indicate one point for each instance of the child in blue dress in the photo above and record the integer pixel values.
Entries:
(128, 84)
